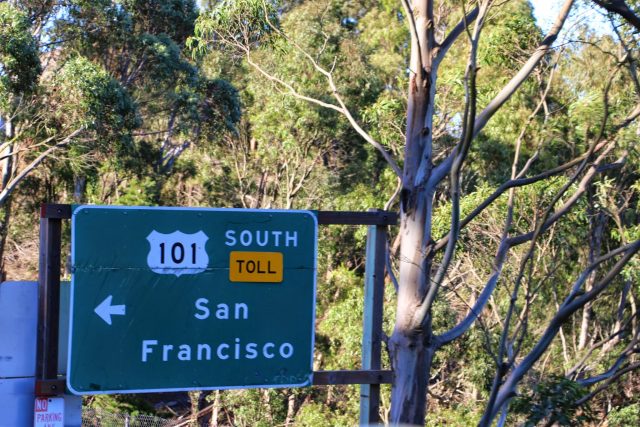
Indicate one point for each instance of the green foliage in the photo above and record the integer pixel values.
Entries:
(87, 96)
(624, 416)
(318, 415)
(165, 62)
(504, 45)
(242, 21)
(456, 415)
(219, 108)
(91, 28)
(553, 399)
(125, 403)
(19, 61)
(384, 117)
(255, 407)
(174, 18)
(340, 314)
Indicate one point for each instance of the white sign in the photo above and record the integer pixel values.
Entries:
(49, 412)
(177, 253)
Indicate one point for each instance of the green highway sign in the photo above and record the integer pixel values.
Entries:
(169, 299)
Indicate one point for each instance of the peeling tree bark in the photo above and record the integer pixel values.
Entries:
(409, 347)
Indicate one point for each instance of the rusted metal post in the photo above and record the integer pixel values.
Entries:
(372, 329)
(51, 216)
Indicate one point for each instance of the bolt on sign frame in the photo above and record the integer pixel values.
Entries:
(369, 377)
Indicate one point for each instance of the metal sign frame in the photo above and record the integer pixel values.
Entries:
(370, 377)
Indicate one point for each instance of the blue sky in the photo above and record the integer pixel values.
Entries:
(545, 12)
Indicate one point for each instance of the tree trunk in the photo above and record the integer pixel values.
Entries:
(194, 399)
(4, 232)
(586, 321)
(634, 310)
(7, 165)
(411, 358)
(79, 188)
(7, 157)
(409, 346)
(619, 317)
(598, 221)
(215, 411)
(291, 410)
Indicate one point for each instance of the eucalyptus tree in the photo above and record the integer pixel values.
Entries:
(101, 97)
(81, 110)
(124, 69)
(140, 44)
(287, 154)
(19, 72)
(426, 259)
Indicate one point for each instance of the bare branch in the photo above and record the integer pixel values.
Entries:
(525, 71)
(629, 59)
(629, 119)
(615, 367)
(415, 39)
(482, 300)
(290, 88)
(455, 33)
(440, 171)
(503, 96)
(567, 309)
(11, 186)
(578, 366)
(395, 194)
(568, 204)
(619, 7)
(389, 267)
(527, 260)
(343, 109)
(462, 150)
(365, 135)
(611, 378)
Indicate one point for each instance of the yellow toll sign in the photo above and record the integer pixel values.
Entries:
(256, 267)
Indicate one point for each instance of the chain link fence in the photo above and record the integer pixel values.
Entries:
(100, 418)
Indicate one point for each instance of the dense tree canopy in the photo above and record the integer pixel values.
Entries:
(509, 151)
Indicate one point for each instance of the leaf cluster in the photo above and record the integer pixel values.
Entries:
(553, 399)
(87, 96)
(244, 22)
(19, 60)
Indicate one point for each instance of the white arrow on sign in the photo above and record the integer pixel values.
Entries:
(105, 310)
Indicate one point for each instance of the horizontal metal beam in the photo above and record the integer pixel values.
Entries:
(51, 387)
(55, 210)
(352, 377)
